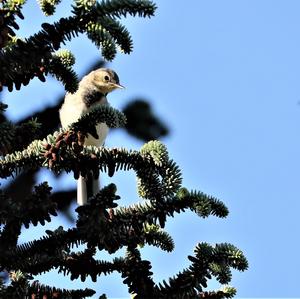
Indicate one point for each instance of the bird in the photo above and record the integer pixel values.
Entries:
(92, 90)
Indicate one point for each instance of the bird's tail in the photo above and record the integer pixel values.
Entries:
(81, 191)
(86, 187)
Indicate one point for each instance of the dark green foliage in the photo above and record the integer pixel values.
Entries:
(15, 138)
(61, 67)
(34, 209)
(21, 288)
(48, 6)
(9, 9)
(33, 57)
(101, 224)
(102, 38)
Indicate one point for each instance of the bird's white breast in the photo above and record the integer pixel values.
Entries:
(73, 108)
(102, 131)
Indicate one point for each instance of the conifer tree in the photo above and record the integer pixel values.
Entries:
(101, 224)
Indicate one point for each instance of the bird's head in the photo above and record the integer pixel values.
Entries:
(106, 80)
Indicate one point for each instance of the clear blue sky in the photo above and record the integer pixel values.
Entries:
(225, 76)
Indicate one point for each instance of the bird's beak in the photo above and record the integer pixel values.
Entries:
(118, 86)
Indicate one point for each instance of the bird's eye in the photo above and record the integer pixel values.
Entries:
(106, 78)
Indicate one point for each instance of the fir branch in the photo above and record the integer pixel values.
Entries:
(100, 228)
(39, 256)
(18, 286)
(7, 134)
(48, 6)
(65, 57)
(12, 6)
(28, 158)
(60, 67)
(101, 37)
(55, 241)
(159, 238)
(191, 281)
(90, 158)
(38, 207)
(99, 114)
(42, 291)
(204, 205)
(8, 12)
(118, 32)
(171, 177)
(157, 211)
(208, 260)
(21, 186)
(83, 265)
(137, 275)
(234, 257)
(22, 62)
(10, 234)
(16, 137)
(33, 155)
(226, 292)
(157, 151)
(102, 156)
(94, 223)
(20, 69)
(121, 8)
(34, 209)
(29, 259)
